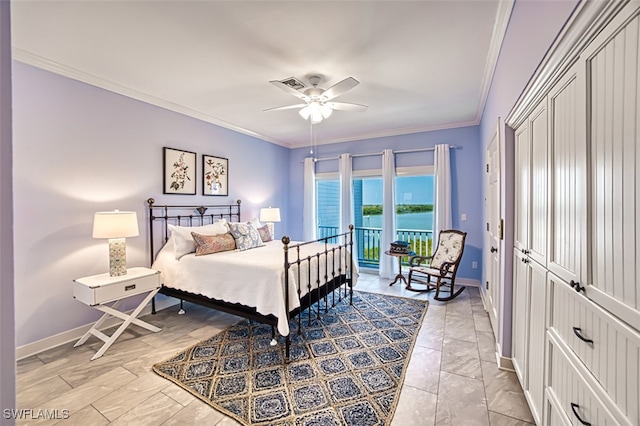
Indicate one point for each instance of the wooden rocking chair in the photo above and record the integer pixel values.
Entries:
(442, 266)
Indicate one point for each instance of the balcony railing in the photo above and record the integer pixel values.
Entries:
(368, 242)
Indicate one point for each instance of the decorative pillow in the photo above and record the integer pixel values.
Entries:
(183, 240)
(265, 234)
(246, 236)
(208, 244)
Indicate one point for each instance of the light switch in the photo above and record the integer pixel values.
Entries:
(463, 217)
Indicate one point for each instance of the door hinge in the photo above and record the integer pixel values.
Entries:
(487, 285)
(502, 229)
(487, 168)
(487, 226)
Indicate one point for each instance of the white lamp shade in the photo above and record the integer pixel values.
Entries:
(270, 214)
(115, 224)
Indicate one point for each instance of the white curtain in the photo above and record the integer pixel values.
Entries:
(309, 221)
(442, 191)
(347, 216)
(388, 264)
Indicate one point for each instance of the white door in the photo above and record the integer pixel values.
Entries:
(493, 231)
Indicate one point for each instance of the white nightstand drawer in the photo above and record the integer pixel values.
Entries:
(99, 289)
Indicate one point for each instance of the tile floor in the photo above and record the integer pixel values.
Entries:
(452, 378)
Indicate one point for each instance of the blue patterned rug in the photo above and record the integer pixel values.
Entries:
(345, 369)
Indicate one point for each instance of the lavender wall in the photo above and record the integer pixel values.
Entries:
(79, 149)
(466, 176)
(532, 29)
(7, 322)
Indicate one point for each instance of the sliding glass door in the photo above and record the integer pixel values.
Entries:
(414, 211)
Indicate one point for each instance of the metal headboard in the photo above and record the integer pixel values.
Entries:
(186, 215)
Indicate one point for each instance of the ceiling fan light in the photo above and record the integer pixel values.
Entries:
(326, 111)
(305, 112)
(316, 117)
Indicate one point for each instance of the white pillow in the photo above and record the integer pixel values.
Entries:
(183, 240)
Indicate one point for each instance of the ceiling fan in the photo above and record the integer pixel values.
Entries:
(318, 102)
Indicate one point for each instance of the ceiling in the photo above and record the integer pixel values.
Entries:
(422, 65)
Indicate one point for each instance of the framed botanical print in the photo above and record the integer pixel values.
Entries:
(215, 175)
(179, 173)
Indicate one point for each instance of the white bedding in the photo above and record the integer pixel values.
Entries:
(253, 278)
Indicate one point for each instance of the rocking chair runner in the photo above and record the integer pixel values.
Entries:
(443, 265)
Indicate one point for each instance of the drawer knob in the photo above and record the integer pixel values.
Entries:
(578, 332)
(574, 408)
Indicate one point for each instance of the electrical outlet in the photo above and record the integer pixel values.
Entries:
(474, 265)
(463, 217)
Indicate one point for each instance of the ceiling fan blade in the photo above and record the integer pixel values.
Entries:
(289, 89)
(286, 107)
(343, 106)
(340, 88)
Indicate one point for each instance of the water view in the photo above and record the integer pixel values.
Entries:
(418, 221)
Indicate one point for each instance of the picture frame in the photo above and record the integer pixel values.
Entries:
(179, 171)
(215, 175)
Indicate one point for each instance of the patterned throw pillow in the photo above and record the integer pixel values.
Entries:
(265, 235)
(208, 244)
(246, 236)
(183, 241)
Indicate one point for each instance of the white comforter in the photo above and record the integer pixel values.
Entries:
(253, 278)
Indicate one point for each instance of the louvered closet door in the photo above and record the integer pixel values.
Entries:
(613, 68)
(567, 162)
(522, 185)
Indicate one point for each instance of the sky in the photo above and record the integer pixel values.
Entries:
(409, 190)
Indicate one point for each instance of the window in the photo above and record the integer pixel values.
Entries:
(414, 210)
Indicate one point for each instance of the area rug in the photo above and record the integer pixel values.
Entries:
(346, 368)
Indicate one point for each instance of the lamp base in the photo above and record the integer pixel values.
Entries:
(117, 257)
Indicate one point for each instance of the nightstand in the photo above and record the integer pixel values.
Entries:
(99, 290)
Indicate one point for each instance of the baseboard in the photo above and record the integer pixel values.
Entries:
(74, 334)
(504, 363)
(469, 282)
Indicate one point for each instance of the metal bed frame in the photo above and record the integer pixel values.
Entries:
(314, 302)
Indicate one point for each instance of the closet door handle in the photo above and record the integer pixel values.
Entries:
(574, 407)
(493, 249)
(578, 332)
(577, 287)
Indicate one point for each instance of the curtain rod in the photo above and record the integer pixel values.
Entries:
(402, 151)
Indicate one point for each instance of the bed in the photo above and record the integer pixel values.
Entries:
(251, 283)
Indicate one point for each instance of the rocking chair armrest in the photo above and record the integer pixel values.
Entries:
(444, 268)
(417, 260)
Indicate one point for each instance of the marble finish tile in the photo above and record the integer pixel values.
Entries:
(461, 357)
(415, 408)
(130, 396)
(142, 364)
(178, 394)
(87, 416)
(196, 413)
(504, 394)
(453, 358)
(461, 401)
(154, 411)
(80, 397)
(28, 364)
(461, 328)
(496, 419)
(482, 322)
(423, 371)
(35, 396)
(430, 337)
(486, 346)
(117, 354)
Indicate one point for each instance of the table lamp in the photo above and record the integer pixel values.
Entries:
(270, 215)
(116, 226)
